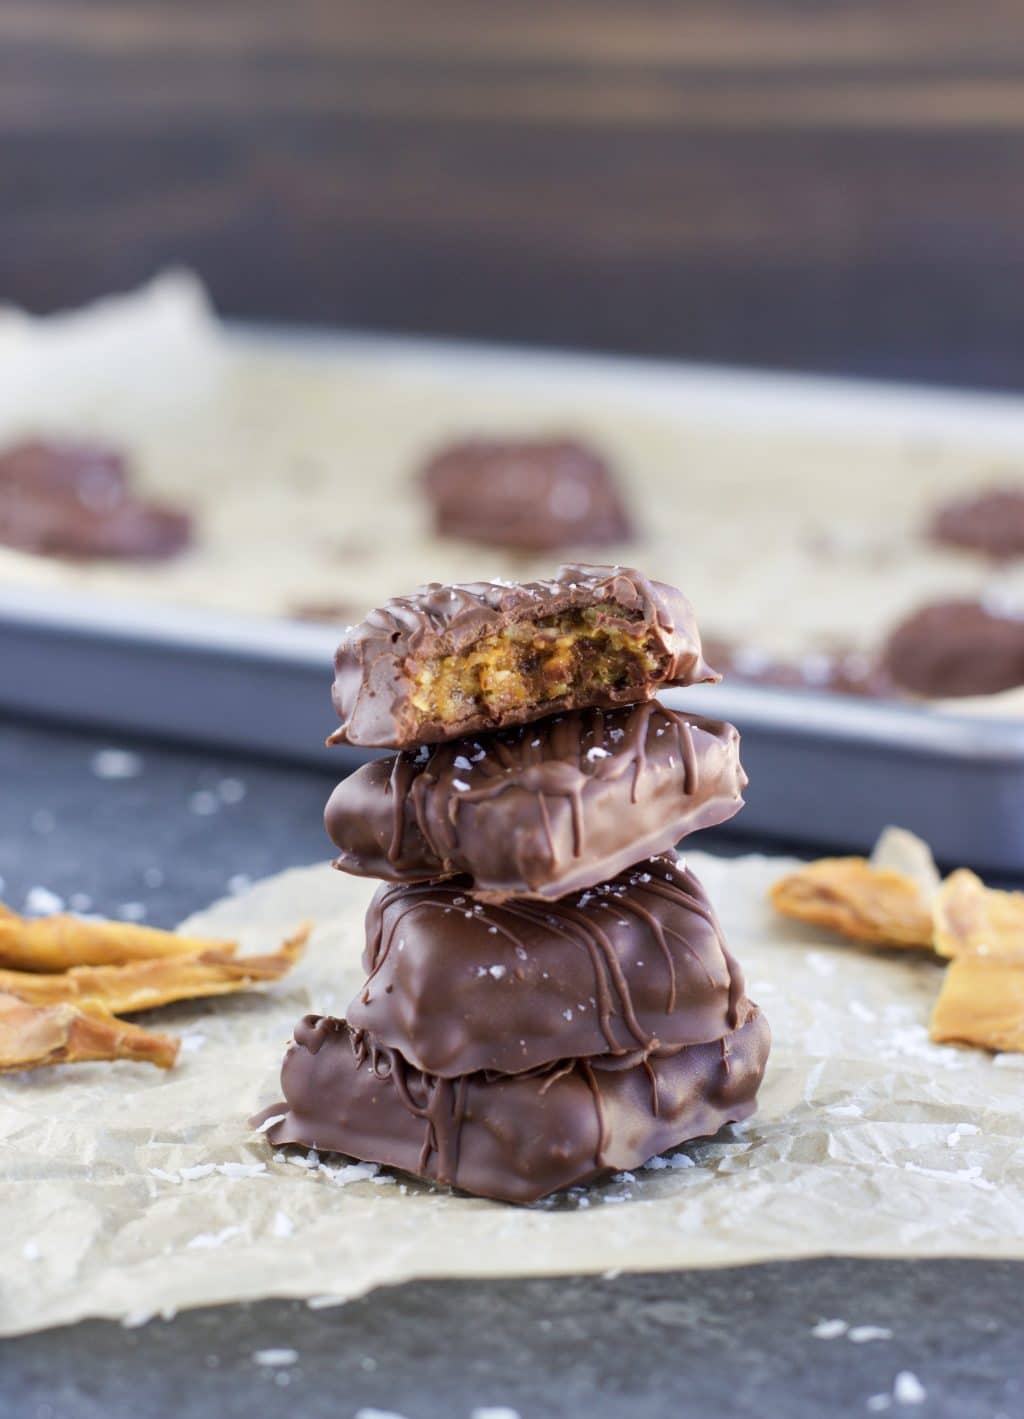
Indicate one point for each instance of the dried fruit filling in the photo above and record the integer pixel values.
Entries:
(535, 662)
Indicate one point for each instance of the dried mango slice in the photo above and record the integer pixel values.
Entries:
(34, 1035)
(59, 943)
(972, 917)
(855, 898)
(141, 985)
(982, 1002)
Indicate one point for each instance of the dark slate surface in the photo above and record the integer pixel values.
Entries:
(172, 836)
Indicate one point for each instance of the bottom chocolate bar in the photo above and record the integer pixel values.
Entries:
(514, 1138)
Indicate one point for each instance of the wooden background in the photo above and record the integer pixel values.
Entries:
(831, 184)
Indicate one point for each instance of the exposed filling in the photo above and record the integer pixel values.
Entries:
(534, 662)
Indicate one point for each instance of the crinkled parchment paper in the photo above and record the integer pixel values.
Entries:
(869, 1141)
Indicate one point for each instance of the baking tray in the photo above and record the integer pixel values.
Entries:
(824, 769)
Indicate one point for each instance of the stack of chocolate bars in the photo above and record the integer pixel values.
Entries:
(549, 995)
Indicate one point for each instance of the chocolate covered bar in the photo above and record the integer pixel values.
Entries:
(540, 810)
(75, 500)
(540, 494)
(451, 661)
(990, 522)
(457, 986)
(956, 648)
(514, 1138)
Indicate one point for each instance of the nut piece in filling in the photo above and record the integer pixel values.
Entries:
(535, 662)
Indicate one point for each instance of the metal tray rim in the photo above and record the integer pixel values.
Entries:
(907, 729)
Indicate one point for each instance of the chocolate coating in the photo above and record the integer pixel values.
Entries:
(512, 1138)
(540, 810)
(542, 494)
(991, 522)
(956, 648)
(75, 500)
(376, 663)
(457, 986)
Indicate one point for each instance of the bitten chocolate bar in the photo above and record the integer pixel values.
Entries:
(451, 661)
(540, 810)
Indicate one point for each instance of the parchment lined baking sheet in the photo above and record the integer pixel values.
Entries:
(299, 459)
(869, 1141)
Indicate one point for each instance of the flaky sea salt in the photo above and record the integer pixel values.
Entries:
(908, 1389)
(863, 1334)
(197, 1171)
(494, 1411)
(241, 1170)
(282, 1356)
(269, 1122)
(352, 1173)
(208, 1240)
(829, 1329)
(40, 901)
(282, 1225)
(116, 763)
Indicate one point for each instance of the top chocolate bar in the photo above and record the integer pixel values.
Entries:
(454, 660)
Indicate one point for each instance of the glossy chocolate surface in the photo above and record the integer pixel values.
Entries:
(377, 662)
(75, 500)
(544, 494)
(990, 522)
(956, 648)
(540, 810)
(512, 1138)
(458, 986)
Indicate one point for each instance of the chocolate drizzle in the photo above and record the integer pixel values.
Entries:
(548, 995)
(517, 1138)
(635, 965)
(539, 810)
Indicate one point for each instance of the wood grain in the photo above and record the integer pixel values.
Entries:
(833, 185)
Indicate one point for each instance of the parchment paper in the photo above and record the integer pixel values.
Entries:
(289, 458)
(869, 1141)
